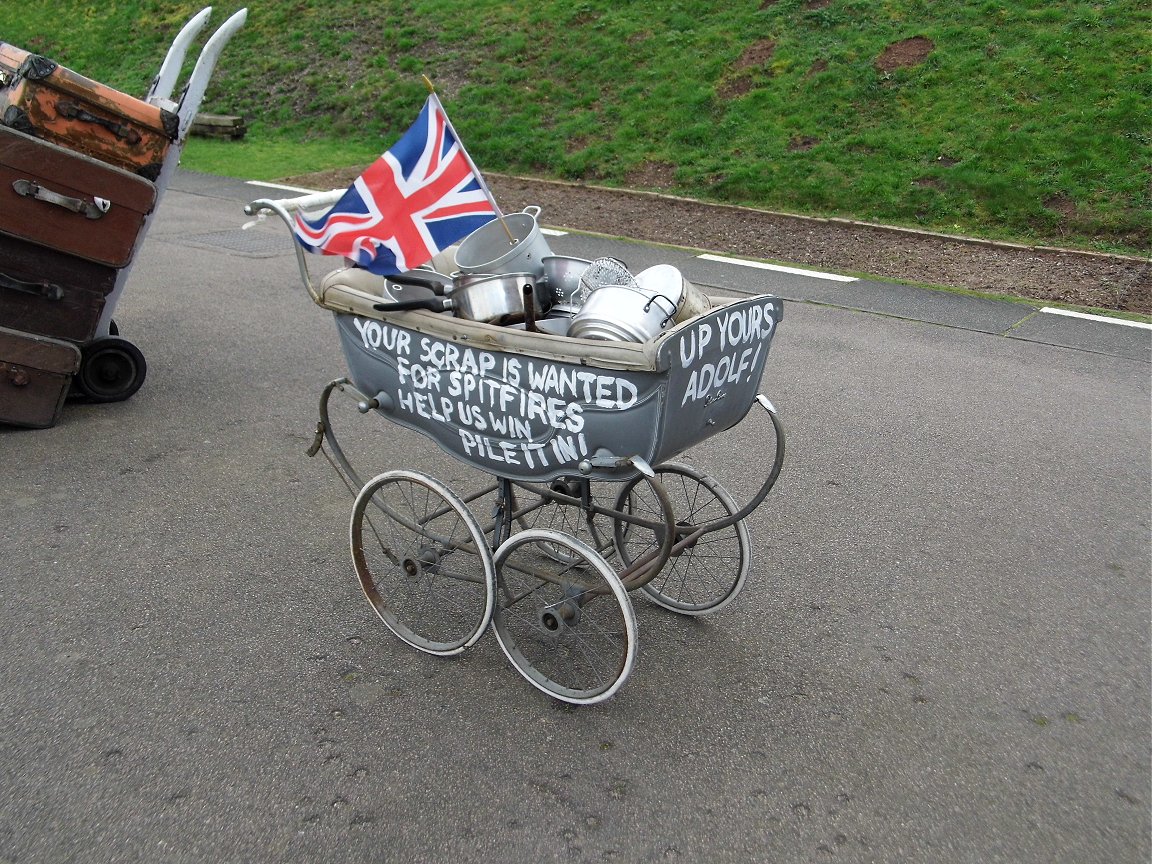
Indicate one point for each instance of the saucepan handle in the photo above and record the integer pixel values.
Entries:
(436, 304)
(433, 285)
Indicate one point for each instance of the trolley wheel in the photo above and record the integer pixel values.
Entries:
(111, 369)
(706, 576)
(567, 626)
(422, 561)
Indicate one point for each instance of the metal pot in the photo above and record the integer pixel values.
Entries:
(511, 243)
(491, 298)
(540, 294)
(619, 313)
(667, 281)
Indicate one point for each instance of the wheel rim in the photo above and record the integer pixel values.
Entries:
(566, 626)
(709, 574)
(422, 561)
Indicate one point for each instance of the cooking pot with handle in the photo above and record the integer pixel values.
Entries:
(490, 298)
(511, 243)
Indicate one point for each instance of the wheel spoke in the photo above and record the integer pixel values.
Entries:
(563, 618)
(707, 573)
(416, 526)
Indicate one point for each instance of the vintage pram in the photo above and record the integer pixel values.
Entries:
(576, 436)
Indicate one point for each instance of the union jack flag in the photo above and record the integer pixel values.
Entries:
(418, 198)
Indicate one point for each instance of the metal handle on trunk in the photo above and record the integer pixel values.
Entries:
(93, 209)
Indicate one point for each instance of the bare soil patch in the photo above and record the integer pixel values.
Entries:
(756, 54)
(653, 175)
(735, 87)
(904, 54)
(816, 68)
(802, 142)
(1061, 204)
(750, 65)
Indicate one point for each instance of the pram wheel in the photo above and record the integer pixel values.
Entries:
(706, 576)
(570, 519)
(422, 561)
(562, 616)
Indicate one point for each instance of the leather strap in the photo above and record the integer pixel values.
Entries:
(47, 290)
(122, 131)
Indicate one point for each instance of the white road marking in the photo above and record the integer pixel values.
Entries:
(552, 232)
(795, 271)
(279, 186)
(1103, 319)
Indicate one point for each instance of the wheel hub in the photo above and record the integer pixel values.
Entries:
(560, 616)
(427, 560)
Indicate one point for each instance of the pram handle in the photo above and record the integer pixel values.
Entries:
(311, 201)
(284, 208)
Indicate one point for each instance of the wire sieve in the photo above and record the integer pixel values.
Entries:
(603, 271)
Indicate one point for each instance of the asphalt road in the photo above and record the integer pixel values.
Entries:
(942, 653)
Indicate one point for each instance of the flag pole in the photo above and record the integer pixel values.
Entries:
(472, 165)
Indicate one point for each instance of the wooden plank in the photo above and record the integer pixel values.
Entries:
(218, 126)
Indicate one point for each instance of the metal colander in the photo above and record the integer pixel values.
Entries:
(603, 271)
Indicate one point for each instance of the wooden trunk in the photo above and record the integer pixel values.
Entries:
(48, 293)
(35, 373)
(69, 202)
(50, 101)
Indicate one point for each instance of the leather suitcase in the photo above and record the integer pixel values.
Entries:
(10, 59)
(35, 373)
(52, 102)
(66, 201)
(48, 293)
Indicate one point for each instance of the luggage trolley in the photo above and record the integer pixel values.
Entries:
(88, 165)
(117, 378)
(578, 439)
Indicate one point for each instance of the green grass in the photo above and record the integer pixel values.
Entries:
(1027, 121)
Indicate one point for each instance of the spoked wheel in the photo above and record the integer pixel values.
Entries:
(706, 576)
(422, 561)
(566, 518)
(111, 369)
(566, 625)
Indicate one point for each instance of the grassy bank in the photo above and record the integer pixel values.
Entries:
(1013, 120)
